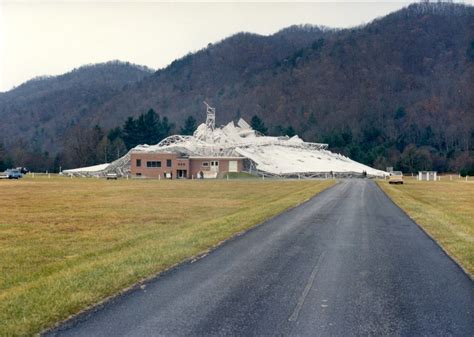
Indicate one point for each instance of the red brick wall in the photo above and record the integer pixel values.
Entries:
(155, 172)
(183, 164)
(196, 165)
(192, 166)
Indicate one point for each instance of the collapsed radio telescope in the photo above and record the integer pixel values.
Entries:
(264, 155)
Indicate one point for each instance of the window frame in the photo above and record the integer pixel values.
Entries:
(153, 164)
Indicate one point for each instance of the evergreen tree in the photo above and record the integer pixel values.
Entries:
(115, 133)
(146, 129)
(189, 126)
(290, 132)
(165, 128)
(257, 124)
(149, 125)
(141, 130)
(130, 133)
(57, 163)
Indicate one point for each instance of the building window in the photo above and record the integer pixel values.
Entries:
(153, 164)
(168, 162)
(214, 163)
(205, 163)
(139, 162)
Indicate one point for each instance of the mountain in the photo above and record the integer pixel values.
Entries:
(395, 92)
(42, 110)
(216, 73)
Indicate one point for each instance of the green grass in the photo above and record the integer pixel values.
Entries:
(445, 209)
(66, 244)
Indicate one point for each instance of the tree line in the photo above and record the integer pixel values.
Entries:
(91, 146)
(416, 149)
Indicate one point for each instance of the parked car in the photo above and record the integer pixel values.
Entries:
(112, 176)
(13, 174)
(396, 177)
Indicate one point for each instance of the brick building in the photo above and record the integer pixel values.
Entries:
(172, 166)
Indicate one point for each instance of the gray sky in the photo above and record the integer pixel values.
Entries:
(50, 38)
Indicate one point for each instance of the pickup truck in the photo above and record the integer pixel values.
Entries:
(396, 177)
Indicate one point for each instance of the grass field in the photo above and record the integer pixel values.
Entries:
(66, 244)
(445, 209)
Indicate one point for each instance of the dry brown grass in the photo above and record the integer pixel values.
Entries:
(66, 244)
(445, 209)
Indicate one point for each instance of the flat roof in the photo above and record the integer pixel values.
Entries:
(151, 152)
(209, 157)
(187, 157)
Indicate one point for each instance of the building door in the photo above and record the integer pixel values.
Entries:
(214, 166)
(233, 166)
(182, 174)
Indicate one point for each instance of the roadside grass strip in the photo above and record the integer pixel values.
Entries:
(66, 244)
(445, 210)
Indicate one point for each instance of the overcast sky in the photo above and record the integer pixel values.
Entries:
(50, 38)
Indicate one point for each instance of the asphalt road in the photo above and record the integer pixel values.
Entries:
(348, 262)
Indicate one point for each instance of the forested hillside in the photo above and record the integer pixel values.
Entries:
(395, 92)
(41, 111)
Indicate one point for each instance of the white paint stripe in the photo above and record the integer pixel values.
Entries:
(309, 284)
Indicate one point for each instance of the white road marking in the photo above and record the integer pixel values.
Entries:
(309, 284)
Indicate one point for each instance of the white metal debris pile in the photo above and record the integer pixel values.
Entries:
(88, 171)
(265, 155)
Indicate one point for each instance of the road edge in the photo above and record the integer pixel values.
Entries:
(453, 258)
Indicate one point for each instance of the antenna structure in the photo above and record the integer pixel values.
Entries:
(211, 117)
